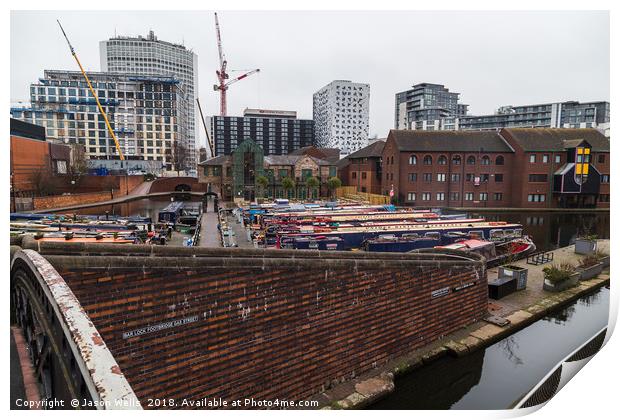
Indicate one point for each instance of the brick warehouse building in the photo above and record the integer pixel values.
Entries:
(362, 169)
(519, 168)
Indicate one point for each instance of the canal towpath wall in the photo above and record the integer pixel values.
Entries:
(521, 309)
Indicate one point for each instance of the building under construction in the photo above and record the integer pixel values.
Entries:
(147, 113)
(153, 57)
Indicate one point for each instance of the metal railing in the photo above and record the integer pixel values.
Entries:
(540, 257)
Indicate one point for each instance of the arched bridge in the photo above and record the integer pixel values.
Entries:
(180, 183)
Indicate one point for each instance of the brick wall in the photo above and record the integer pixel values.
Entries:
(121, 185)
(57, 201)
(168, 184)
(352, 173)
(268, 327)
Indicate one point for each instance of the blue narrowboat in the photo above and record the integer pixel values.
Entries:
(170, 213)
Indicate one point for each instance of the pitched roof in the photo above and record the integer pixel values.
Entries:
(218, 160)
(449, 141)
(282, 159)
(552, 139)
(331, 155)
(374, 149)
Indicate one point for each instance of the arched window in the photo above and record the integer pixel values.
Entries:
(413, 160)
(456, 160)
(428, 160)
(499, 160)
(442, 160)
(471, 160)
(485, 160)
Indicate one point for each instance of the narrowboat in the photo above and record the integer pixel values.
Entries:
(445, 232)
(495, 253)
(170, 213)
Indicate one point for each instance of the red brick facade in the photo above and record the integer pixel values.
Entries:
(169, 184)
(269, 327)
(465, 175)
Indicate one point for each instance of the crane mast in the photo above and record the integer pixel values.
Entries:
(209, 141)
(222, 85)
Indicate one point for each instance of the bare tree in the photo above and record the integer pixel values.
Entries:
(41, 179)
(78, 166)
(179, 157)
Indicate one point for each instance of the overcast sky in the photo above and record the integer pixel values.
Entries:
(491, 58)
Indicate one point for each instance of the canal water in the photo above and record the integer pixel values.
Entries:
(147, 207)
(551, 230)
(500, 375)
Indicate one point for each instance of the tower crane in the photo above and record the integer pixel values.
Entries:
(222, 85)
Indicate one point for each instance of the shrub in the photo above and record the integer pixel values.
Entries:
(591, 237)
(588, 261)
(558, 273)
(600, 254)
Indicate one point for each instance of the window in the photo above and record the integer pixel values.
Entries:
(428, 160)
(545, 158)
(471, 160)
(558, 159)
(532, 158)
(499, 177)
(442, 160)
(354, 175)
(363, 175)
(498, 196)
(605, 178)
(61, 167)
(469, 177)
(283, 173)
(485, 160)
(536, 198)
(469, 196)
(454, 196)
(428, 177)
(484, 177)
(537, 178)
(441, 177)
(484, 196)
(217, 171)
(455, 177)
(441, 196)
(413, 160)
(601, 158)
(413, 177)
(426, 196)
(603, 198)
(456, 160)
(410, 196)
(499, 160)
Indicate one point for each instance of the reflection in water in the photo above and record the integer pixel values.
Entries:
(147, 207)
(510, 345)
(496, 377)
(551, 230)
(437, 386)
